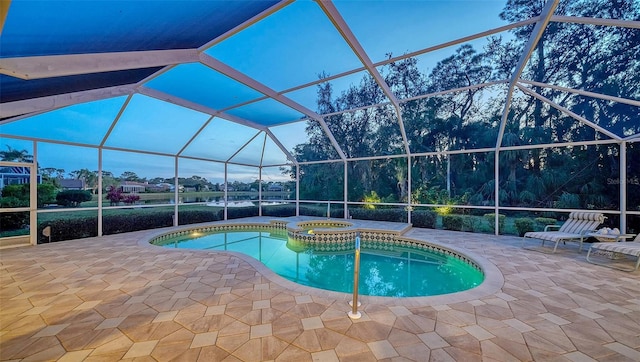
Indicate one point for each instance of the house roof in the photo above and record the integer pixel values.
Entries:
(72, 183)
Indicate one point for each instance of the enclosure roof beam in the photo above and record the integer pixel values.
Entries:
(204, 109)
(633, 24)
(262, 15)
(536, 34)
(632, 138)
(568, 112)
(465, 39)
(250, 82)
(631, 102)
(49, 103)
(343, 28)
(50, 66)
(195, 135)
(281, 146)
(197, 107)
(242, 147)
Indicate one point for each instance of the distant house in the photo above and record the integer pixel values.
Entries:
(163, 187)
(228, 187)
(15, 176)
(72, 184)
(275, 188)
(133, 187)
(180, 188)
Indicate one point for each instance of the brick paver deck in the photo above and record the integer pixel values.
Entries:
(109, 298)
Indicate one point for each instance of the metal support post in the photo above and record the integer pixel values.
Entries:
(354, 314)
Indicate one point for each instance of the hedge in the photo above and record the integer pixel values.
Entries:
(186, 217)
(452, 222)
(240, 212)
(83, 227)
(424, 219)
(461, 222)
(72, 198)
(491, 218)
(395, 215)
(67, 229)
(13, 220)
(524, 225)
(279, 210)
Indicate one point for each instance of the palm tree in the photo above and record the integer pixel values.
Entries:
(90, 178)
(14, 155)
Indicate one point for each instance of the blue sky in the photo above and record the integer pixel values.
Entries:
(288, 48)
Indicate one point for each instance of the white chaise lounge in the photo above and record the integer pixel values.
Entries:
(609, 249)
(574, 229)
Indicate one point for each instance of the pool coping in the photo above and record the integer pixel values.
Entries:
(493, 278)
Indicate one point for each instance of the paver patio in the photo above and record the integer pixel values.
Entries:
(109, 298)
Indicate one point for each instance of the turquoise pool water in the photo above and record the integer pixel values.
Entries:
(396, 271)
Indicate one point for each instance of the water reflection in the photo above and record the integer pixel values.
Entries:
(147, 199)
(395, 271)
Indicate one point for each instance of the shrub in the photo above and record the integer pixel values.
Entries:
(114, 195)
(20, 192)
(73, 198)
(491, 218)
(460, 222)
(312, 211)
(122, 223)
(370, 200)
(470, 223)
(452, 222)
(240, 212)
(395, 215)
(279, 210)
(68, 229)
(424, 219)
(544, 221)
(13, 220)
(46, 194)
(131, 199)
(524, 225)
(186, 217)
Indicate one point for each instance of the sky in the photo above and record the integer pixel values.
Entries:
(288, 48)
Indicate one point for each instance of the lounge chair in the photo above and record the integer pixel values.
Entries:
(574, 229)
(610, 250)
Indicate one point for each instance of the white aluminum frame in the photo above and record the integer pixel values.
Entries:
(51, 66)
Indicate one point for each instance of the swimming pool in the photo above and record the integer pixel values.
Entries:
(386, 269)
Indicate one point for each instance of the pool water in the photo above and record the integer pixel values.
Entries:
(397, 271)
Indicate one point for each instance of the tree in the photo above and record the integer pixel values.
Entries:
(465, 68)
(130, 176)
(46, 194)
(114, 195)
(600, 59)
(90, 178)
(592, 58)
(73, 198)
(14, 155)
(199, 183)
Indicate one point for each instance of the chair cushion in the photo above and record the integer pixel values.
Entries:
(551, 235)
(582, 221)
(583, 215)
(628, 248)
